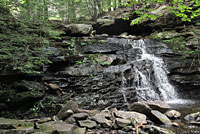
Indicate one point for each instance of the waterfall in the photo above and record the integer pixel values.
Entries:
(149, 76)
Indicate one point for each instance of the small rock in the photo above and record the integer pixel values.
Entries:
(70, 120)
(122, 122)
(80, 116)
(173, 114)
(192, 116)
(175, 124)
(70, 105)
(88, 124)
(78, 130)
(160, 118)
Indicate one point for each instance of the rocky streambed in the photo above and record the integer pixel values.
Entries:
(152, 117)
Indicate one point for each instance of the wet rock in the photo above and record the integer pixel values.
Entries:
(160, 118)
(78, 29)
(88, 124)
(173, 114)
(122, 122)
(138, 117)
(80, 116)
(70, 105)
(101, 120)
(192, 116)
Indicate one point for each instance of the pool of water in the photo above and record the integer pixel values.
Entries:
(185, 107)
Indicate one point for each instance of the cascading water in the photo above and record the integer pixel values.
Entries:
(149, 76)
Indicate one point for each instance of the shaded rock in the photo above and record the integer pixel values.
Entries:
(192, 116)
(80, 116)
(89, 112)
(70, 120)
(138, 117)
(88, 124)
(67, 114)
(43, 120)
(70, 105)
(3, 106)
(28, 86)
(173, 114)
(160, 118)
(27, 96)
(101, 120)
(122, 122)
(78, 29)
(7, 126)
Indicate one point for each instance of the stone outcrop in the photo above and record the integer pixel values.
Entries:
(78, 29)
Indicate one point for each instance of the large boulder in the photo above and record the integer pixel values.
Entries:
(138, 117)
(145, 107)
(78, 29)
(63, 113)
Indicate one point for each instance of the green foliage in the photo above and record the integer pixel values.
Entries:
(186, 11)
(37, 108)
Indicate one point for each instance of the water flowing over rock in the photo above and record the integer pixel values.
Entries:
(150, 75)
(134, 71)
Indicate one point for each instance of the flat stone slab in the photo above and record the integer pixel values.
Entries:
(101, 120)
(80, 116)
(88, 124)
(138, 117)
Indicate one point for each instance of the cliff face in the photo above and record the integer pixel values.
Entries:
(90, 70)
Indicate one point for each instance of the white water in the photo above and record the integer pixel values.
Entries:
(150, 76)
